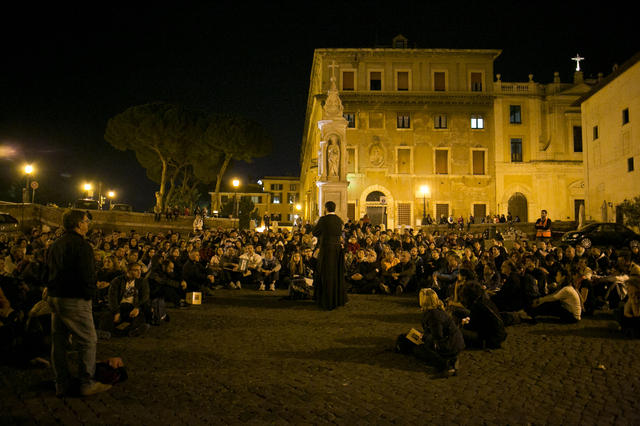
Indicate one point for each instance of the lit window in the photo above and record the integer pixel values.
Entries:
(276, 198)
(477, 122)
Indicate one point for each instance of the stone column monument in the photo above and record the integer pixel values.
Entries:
(332, 175)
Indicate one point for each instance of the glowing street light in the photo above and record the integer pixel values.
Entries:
(28, 170)
(111, 195)
(236, 183)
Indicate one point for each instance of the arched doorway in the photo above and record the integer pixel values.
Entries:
(518, 206)
(376, 208)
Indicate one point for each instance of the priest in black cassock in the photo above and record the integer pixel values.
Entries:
(330, 291)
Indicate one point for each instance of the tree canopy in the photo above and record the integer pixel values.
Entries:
(181, 147)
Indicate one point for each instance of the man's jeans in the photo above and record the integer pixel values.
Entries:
(72, 318)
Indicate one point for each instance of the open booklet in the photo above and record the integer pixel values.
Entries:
(415, 336)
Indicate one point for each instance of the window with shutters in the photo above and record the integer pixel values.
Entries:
(516, 150)
(476, 82)
(442, 161)
(478, 157)
(375, 80)
(404, 160)
(440, 121)
(348, 80)
(404, 214)
(439, 81)
(403, 120)
(402, 83)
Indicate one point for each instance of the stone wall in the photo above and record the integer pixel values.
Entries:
(30, 215)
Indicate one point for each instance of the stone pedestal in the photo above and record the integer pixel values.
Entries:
(332, 175)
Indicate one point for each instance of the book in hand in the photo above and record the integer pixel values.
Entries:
(415, 336)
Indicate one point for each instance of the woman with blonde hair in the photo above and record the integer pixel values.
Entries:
(442, 340)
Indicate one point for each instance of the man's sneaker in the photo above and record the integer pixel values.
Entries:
(385, 288)
(238, 285)
(232, 285)
(93, 388)
(272, 287)
(399, 290)
(182, 304)
(262, 287)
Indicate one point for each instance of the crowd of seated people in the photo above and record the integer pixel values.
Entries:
(482, 285)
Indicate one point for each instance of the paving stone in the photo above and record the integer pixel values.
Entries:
(249, 357)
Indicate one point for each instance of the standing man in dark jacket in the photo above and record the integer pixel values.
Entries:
(71, 285)
(330, 291)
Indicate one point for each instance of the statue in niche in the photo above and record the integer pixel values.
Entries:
(376, 155)
(333, 156)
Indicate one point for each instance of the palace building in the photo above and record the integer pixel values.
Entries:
(430, 132)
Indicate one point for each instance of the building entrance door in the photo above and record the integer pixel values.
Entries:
(376, 215)
(518, 206)
(377, 209)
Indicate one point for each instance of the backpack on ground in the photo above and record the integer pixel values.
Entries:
(158, 311)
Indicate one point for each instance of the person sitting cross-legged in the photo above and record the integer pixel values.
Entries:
(129, 301)
(269, 271)
(195, 274)
(163, 284)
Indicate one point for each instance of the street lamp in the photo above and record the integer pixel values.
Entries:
(87, 189)
(425, 190)
(111, 195)
(28, 170)
(236, 183)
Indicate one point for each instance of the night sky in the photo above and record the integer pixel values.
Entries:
(66, 70)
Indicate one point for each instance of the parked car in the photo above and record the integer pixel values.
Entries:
(122, 207)
(602, 234)
(86, 204)
(8, 223)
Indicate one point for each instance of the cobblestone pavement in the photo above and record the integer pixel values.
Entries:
(250, 357)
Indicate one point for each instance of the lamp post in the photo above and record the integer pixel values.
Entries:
(111, 195)
(28, 170)
(425, 190)
(236, 183)
(87, 189)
